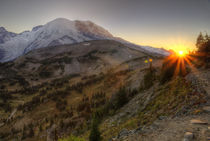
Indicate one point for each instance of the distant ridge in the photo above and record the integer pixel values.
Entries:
(57, 32)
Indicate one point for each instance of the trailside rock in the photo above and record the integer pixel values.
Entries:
(197, 121)
(206, 108)
(188, 136)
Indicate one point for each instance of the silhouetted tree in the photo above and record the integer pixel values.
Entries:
(121, 97)
(31, 132)
(203, 46)
(167, 70)
(94, 133)
(200, 40)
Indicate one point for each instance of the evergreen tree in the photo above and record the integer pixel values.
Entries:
(200, 41)
(31, 132)
(207, 38)
(40, 128)
(121, 97)
(95, 135)
(203, 45)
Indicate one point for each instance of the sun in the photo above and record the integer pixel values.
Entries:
(181, 53)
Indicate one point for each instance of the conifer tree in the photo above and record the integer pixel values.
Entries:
(200, 41)
(95, 135)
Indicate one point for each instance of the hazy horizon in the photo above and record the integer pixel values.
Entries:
(168, 24)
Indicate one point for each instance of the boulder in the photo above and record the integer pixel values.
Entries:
(197, 121)
(206, 108)
(188, 136)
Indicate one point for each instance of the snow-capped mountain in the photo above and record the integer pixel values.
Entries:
(5, 35)
(147, 49)
(57, 32)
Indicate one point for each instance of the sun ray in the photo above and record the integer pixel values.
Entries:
(177, 70)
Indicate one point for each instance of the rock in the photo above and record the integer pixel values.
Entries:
(131, 132)
(52, 133)
(123, 132)
(1, 124)
(11, 115)
(162, 117)
(196, 121)
(206, 108)
(113, 139)
(188, 136)
(138, 130)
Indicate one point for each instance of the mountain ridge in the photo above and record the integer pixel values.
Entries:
(5, 35)
(59, 32)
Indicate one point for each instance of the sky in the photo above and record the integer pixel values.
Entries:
(171, 24)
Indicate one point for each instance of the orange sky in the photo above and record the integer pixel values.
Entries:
(176, 43)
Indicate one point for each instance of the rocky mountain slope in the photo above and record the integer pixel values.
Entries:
(60, 87)
(52, 92)
(5, 35)
(192, 124)
(86, 58)
(57, 32)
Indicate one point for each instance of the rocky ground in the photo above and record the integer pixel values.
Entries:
(187, 127)
(184, 128)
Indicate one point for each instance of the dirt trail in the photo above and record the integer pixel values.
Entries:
(175, 129)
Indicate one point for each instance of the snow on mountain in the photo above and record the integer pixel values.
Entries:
(5, 35)
(147, 49)
(57, 32)
(37, 27)
(159, 51)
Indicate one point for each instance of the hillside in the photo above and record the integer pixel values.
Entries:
(85, 58)
(63, 85)
(53, 92)
(175, 111)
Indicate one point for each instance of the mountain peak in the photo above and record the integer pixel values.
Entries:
(60, 24)
(59, 21)
(57, 32)
(2, 29)
(88, 27)
(5, 35)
